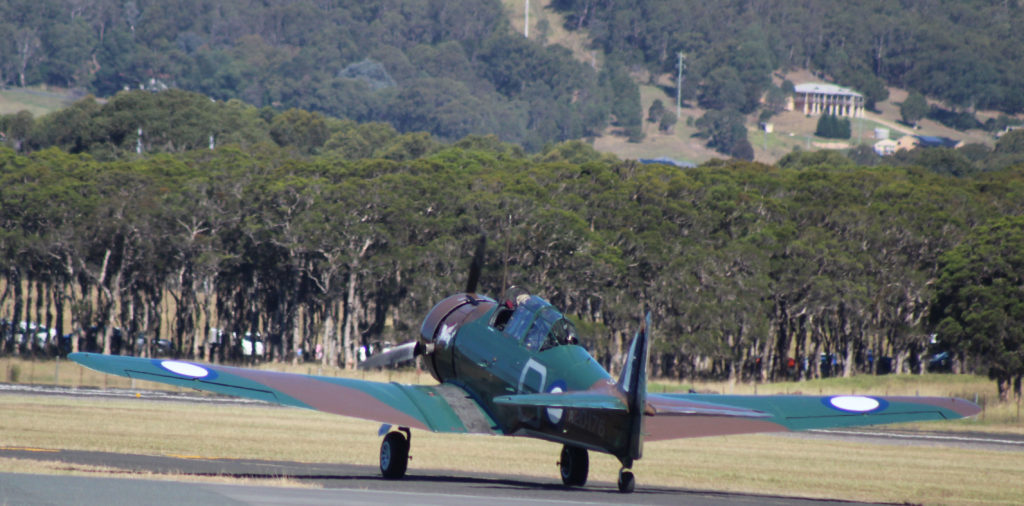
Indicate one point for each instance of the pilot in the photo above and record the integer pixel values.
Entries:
(504, 314)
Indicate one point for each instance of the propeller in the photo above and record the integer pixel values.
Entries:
(412, 349)
(477, 265)
(397, 355)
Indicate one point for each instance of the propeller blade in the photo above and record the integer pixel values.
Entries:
(477, 265)
(394, 356)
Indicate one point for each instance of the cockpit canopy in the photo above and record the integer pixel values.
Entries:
(535, 323)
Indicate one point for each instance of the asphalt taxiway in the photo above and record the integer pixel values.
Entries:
(330, 484)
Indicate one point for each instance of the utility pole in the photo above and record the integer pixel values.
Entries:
(526, 25)
(679, 88)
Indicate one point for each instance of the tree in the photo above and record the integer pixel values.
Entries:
(742, 150)
(299, 129)
(775, 100)
(722, 90)
(913, 108)
(833, 127)
(667, 123)
(27, 43)
(17, 128)
(723, 129)
(1011, 143)
(978, 307)
(655, 111)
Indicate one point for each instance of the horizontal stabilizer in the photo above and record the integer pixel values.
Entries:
(570, 400)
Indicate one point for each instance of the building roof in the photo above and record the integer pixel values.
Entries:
(668, 161)
(827, 89)
(932, 141)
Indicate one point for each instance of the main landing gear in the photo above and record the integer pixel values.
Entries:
(574, 466)
(394, 454)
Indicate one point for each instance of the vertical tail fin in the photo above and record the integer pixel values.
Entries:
(633, 383)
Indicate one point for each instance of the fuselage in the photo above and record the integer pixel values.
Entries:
(521, 346)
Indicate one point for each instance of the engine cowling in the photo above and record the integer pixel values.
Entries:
(441, 327)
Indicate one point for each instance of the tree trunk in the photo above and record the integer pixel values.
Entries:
(1003, 383)
(296, 341)
(350, 327)
(901, 356)
(848, 361)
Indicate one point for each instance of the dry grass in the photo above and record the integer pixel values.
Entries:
(38, 100)
(754, 464)
(60, 468)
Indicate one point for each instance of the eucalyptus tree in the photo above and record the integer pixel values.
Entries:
(978, 308)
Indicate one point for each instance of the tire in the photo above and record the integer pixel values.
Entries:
(394, 456)
(574, 466)
(626, 482)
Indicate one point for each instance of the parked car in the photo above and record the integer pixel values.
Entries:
(38, 333)
(161, 347)
(941, 362)
(249, 342)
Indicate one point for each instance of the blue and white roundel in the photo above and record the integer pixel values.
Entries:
(185, 369)
(555, 414)
(855, 403)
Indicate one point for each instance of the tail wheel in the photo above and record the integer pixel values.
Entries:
(394, 455)
(626, 481)
(574, 466)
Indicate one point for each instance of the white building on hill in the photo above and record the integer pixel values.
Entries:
(817, 98)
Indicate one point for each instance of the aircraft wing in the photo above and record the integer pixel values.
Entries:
(438, 408)
(599, 401)
(688, 415)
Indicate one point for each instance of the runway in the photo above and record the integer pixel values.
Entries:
(341, 484)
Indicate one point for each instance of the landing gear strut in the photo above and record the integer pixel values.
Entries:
(626, 481)
(574, 466)
(394, 454)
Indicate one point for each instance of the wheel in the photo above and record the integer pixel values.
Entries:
(574, 466)
(394, 455)
(626, 482)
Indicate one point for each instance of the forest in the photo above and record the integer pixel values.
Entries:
(447, 67)
(455, 67)
(967, 54)
(818, 265)
(314, 172)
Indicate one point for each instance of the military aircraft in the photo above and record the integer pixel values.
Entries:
(514, 368)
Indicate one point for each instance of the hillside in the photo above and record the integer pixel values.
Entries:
(463, 67)
(792, 130)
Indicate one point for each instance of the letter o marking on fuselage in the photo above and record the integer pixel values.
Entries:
(532, 365)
